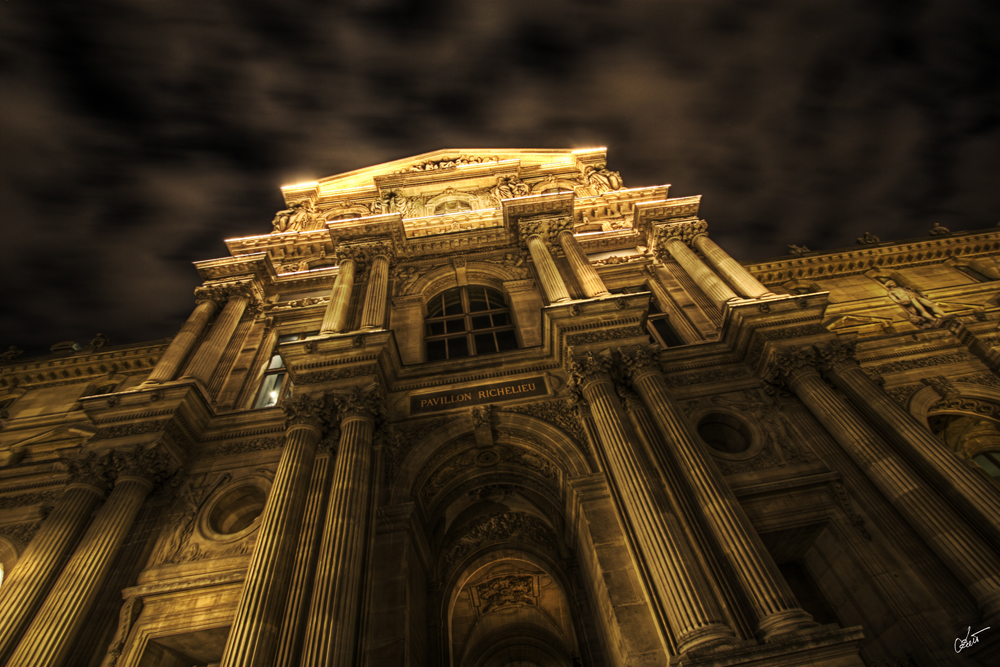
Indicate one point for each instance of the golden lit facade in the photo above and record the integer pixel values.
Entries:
(493, 408)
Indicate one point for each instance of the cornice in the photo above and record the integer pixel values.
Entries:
(848, 262)
(84, 366)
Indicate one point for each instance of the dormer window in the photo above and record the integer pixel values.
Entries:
(467, 321)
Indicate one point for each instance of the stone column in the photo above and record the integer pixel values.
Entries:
(64, 612)
(971, 560)
(182, 344)
(772, 602)
(731, 270)
(584, 271)
(548, 272)
(677, 319)
(335, 317)
(977, 497)
(208, 355)
(334, 616)
(293, 626)
(671, 239)
(373, 315)
(676, 581)
(253, 639)
(25, 587)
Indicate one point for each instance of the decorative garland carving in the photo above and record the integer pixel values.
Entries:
(487, 458)
(333, 374)
(512, 590)
(984, 379)
(718, 375)
(974, 405)
(245, 447)
(90, 468)
(21, 533)
(173, 543)
(559, 412)
(25, 499)
(902, 395)
(126, 619)
(305, 409)
(125, 430)
(602, 335)
(497, 528)
(921, 362)
(844, 500)
(449, 163)
(367, 402)
(150, 463)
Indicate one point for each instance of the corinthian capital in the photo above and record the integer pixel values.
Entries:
(835, 354)
(358, 402)
(640, 361)
(90, 469)
(590, 367)
(547, 228)
(223, 291)
(364, 253)
(790, 362)
(150, 463)
(683, 231)
(307, 410)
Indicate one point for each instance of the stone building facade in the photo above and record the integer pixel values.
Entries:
(497, 409)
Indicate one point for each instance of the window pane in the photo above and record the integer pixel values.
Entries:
(287, 338)
(458, 347)
(477, 299)
(436, 328)
(496, 298)
(507, 340)
(481, 322)
(435, 307)
(436, 350)
(485, 343)
(270, 390)
(989, 466)
(453, 302)
(666, 332)
(276, 362)
(501, 319)
(455, 326)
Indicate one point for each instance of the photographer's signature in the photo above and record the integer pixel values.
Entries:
(970, 639)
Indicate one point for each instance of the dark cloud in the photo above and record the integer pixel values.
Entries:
(135, 137)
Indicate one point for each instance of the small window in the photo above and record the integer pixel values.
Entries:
(276, 385)
(467, 321)
(658, 324)
(990, 462)
(452, 206)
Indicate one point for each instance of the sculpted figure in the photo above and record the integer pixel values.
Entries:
(867, 239)
(798, 249)
(938, 230)
(603, 180)
(405, 279)
(294, 218)
(919, 309)
(10, 355)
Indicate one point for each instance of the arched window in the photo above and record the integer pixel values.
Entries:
(452, 206)
(466, 321)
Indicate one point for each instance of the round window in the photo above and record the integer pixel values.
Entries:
(724, 433)
(236, 510)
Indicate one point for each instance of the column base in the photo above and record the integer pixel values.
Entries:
(825, 646)
(791, 622)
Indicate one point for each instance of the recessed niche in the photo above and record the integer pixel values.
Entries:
(236, 510)
(724, 433)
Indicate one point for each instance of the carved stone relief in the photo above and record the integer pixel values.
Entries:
(516, 527)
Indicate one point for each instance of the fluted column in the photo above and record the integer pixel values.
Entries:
(253, 638)
(680, 587)
(731, 270)
(373, 315)
(548, 272)
(64, 612)
(293, 626)
(704, 277)
(26, 585)
(968, 557)
(334, 616)
(335, 317)
(773, 603)
(210, 352)
(182, 344)
(584, 271)
(973, 493)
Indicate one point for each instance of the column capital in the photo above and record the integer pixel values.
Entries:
(548, 228)
(836, 354)
(221, 292)
(364, 253)
(308, 410)
(685, 232)
(640, 361)
(630, 400)
(590, 368)
(366, 402)
(152, 464)
(90, 469)
(790, 363)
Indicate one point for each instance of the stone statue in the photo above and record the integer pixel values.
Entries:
(867, 239)
(508, 187)
(98, 342)
(603, 180)
(920, 310)
(11, 355)
(405, 279)
(798, 250)
(294, 218)
(938, 230)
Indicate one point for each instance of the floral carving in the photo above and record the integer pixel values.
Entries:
(25, 499)
(124, 430)
(558, 412)
(789, 361)
(602, 335)
(126, 619)
(942, 385)
(305, 409)
(448, 163)
(498, 528)
(921, 362)
(513, 590)
(246, 446)
(482, 416)
(333, 374)
(21, 532)
(590, 367)
(498, 455)
(844, 500)
(365, 402)
(640, 361)
(151, 463)
(173, 543)
(834, 353)
(90, 468)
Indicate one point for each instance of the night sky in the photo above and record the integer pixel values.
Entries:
(136, 136)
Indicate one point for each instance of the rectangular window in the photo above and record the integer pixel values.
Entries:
(276, 385)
